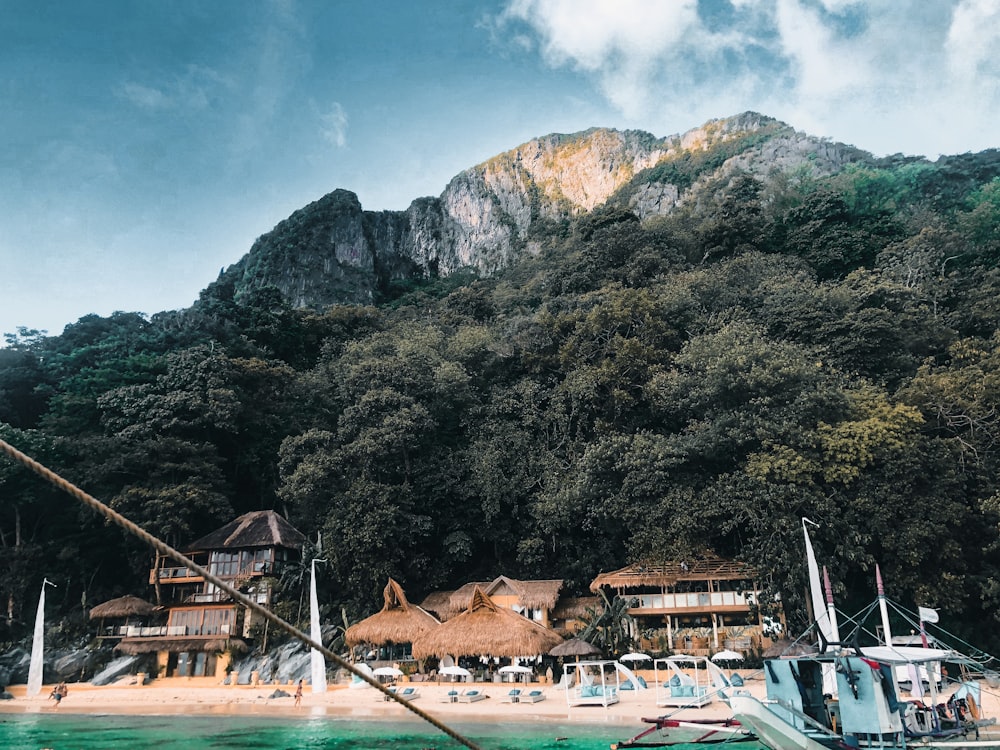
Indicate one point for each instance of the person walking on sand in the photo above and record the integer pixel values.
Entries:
(298, 694)
(59, 692)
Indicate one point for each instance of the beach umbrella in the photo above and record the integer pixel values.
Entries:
(453, 671)
(575, 647)
(123, 606)
(727, 655)
(387, 672)
(635, 657)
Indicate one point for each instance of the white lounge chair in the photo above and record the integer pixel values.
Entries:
(471, 696)
(533, 697)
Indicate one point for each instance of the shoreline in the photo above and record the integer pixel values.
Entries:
(178, 696)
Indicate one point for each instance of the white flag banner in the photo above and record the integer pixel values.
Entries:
(927, 614)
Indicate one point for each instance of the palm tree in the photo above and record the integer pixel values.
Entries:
(610, 626)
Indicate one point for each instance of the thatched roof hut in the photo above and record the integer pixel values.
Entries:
(438, 602)
(542, 594)
(575, 607)
(398, 622)
(132, 646)
(487, 630)
(123, 606)
(261, 528)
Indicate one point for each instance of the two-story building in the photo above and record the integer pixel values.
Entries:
(695, 606)
(204, 627)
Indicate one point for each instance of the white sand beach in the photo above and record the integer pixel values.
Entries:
(205, 695)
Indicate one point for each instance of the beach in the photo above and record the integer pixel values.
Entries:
(205, 696)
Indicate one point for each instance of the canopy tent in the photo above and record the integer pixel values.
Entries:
(397, 622)
(485, 629)
(123, 606)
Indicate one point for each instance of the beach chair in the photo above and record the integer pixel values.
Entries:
(533, 697)
(471, 696)
(451, 697)
(513, 696)
(409, 693)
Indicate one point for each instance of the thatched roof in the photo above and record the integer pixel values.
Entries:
(575, 647)
(706, 567)
(123, 606)
(398, 622)
(575, 607)
(133, 646)
(530, 594)
(438, 602)
(488, 630)
(261, 528)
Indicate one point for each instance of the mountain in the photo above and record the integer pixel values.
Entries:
(333, 251)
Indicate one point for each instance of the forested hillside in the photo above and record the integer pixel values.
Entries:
(778, 346)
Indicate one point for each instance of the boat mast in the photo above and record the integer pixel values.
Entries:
(831, 611)
(883, 607)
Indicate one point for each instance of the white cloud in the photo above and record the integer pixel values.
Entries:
(974, 38)
(333, 125)
(887, 75)
(191, 89)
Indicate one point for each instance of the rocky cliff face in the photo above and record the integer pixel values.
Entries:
(333, 251)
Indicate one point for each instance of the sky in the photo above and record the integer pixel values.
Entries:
(146, 145)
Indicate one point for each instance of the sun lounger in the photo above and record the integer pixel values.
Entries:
(513, 696)
(451, 697)
(533, 697)
(471, 696)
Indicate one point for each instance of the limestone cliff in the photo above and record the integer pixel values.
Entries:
(333, 251)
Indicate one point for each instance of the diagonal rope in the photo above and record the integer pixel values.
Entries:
(168, 551)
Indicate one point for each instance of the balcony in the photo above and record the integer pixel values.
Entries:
(701, 601)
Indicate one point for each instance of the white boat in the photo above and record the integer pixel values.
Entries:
(868, 710)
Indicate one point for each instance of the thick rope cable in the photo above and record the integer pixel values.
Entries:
(168, 551)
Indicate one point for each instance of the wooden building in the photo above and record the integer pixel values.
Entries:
(696, 606)
(534, 600)
(204, 626)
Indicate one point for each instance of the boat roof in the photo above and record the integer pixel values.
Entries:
(888, 655)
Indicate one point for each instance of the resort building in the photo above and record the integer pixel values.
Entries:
(204, 627)
(535, 600)
(697, 606)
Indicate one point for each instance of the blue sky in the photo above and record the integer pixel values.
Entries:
(146, 145)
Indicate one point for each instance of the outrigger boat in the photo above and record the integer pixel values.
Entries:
(666, 732)
(844, 696)
(848, 696)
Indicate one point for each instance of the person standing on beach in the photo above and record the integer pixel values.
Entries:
(298, 694)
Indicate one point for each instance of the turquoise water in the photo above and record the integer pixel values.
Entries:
(178, 732)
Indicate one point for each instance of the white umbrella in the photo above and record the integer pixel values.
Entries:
(388, 672)
(455, 672)
(635, 657)
(727, 655)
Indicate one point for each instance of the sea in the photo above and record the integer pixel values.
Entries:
(177, 732)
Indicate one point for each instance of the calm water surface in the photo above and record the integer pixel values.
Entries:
(118, 732)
